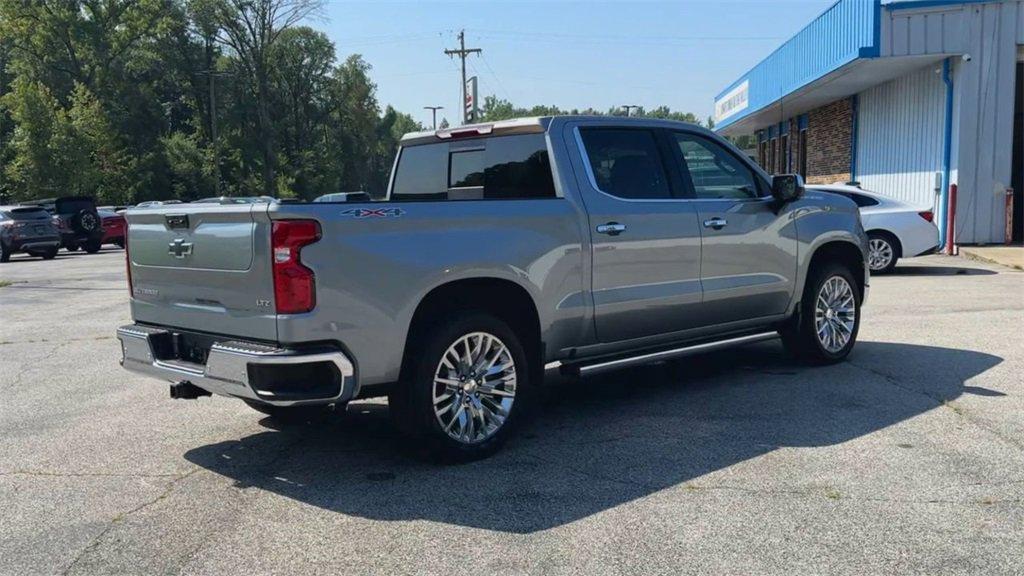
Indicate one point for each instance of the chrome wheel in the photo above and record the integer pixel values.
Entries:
(835, 314)
(474, 387)
(879, 254)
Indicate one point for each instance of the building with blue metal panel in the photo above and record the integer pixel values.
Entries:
(905, 97)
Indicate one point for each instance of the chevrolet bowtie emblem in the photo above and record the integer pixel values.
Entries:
(179, 248)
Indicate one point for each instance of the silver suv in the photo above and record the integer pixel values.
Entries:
(500, 251)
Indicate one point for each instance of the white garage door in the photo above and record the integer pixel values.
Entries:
(899, 136)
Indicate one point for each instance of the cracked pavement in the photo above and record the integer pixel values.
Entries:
(908, 458)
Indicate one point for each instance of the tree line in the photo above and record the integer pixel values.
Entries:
(132, 100)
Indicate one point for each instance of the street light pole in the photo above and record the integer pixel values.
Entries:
(433, 113)
(212, 74)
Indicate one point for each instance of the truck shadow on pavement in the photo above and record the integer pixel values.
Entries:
(598, 443)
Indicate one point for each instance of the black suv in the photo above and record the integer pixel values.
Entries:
(27, 229)
(79, 222)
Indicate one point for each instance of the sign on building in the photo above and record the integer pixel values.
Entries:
(733, 102)
(471, 101)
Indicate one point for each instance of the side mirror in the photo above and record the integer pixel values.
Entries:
(787, 187)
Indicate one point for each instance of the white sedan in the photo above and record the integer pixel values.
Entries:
(896, 229)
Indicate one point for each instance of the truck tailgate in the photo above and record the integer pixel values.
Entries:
(203, 267)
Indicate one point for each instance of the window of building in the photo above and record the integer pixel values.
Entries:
(784, 157)
(714, 171)
(626, 163)
(498, 168)
(802, 153)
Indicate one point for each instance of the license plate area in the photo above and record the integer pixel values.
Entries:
(184, 346)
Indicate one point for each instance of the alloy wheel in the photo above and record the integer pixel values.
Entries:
(879, 254)
(474, 387)
(835, 314)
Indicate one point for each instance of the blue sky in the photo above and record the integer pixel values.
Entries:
(570, 54)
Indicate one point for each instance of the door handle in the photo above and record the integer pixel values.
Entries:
(611, 228)
(716, 223)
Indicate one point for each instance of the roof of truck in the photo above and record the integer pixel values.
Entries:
(529, 125)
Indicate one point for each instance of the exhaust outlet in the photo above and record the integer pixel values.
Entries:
(186, 390)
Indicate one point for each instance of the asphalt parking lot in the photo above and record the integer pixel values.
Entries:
(908, 458)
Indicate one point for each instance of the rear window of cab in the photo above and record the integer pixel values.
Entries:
(495, 168)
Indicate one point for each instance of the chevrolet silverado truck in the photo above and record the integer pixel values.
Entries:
(499, 252)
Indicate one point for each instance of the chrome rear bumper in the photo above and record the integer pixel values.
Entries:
(231, 366)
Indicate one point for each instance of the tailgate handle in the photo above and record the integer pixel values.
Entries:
(176, 221)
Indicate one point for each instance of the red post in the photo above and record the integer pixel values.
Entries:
(951, 220)
(1009, 217)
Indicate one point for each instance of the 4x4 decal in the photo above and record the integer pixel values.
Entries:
(373, 212)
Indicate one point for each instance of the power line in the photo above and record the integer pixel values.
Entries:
(462, 52)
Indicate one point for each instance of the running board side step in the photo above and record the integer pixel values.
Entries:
(583, 369)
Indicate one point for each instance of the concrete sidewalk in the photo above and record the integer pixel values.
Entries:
(1012, 256)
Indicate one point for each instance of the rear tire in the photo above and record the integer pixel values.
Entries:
(93, 246)
(883, 252)
(825, 328)
(464, 392)
(5, 255)
(49, 254)
(71, 247)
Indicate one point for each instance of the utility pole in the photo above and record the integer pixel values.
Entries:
(462, 52)
(433, 113)
(212, 74)
(629, 107)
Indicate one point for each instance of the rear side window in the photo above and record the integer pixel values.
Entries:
(74, 206)
(861, 200)
(28, 214)
(498, 168)
(626, 163)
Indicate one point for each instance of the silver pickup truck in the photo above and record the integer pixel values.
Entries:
(500, 252)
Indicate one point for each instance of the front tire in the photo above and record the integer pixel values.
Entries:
(93, 246)
(463, 393)
(5, 254)
(883, 252)
(825, 330)
(49, 254)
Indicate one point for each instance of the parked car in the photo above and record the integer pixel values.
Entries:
(77, 219)
(344, 197)
(27, 229)
(234, 200)
(895, 229)
(152, 203)
(577, 244)
(113, 227)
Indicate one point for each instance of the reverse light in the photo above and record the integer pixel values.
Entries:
(294, 284)
(927, 215)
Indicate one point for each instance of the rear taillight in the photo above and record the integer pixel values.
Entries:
(128, 267)
(927, 215)
(294, 284)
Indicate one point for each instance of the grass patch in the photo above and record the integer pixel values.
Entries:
(833, 494)
(4, 283)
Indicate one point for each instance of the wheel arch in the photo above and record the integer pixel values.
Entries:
(849, 254)
(504, 298)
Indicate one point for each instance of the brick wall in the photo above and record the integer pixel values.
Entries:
(828, 142)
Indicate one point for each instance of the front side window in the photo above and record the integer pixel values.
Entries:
(626, 163)
(497, 168)
(714, 172)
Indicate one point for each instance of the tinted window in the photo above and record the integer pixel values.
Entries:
(714, 171)
(28, 214)
(626, 163)
(73, 206)
(503, 167)
(860, 199)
